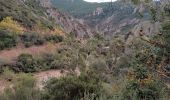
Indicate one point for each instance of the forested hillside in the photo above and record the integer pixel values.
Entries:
(77, 8)
(106, 18)
(46, 54)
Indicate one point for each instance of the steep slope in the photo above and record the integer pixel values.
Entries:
(27, 12)
(68, 23)
(119, 18)
(31, 13)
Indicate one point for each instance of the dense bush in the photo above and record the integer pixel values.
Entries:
(53, 38)
(49, 61)
(73, 87)
(143, 81)
(7, 39)
(30, 39)
(143, 86)
(26, 63)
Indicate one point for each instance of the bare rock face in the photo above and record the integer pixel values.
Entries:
(98, 11)
(147, 27)
(69, 24)
(110, 26)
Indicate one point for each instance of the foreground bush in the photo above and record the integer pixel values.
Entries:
(73, 87)
(23, 89)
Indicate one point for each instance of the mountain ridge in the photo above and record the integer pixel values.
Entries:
(105, 18)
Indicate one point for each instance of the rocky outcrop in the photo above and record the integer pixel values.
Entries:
(111, 27)
(147, 27)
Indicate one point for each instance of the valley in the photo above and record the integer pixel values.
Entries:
(77, 50)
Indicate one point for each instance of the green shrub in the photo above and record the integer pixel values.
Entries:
(49, 61)
(30, 39)
(23, 89)
(73, 87)
(7, 40)
(152, 91)
(53, 38)
(26, 63)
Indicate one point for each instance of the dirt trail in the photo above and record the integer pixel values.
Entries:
(41, 77)
(2, 85)
(44, 76)
(11, 55)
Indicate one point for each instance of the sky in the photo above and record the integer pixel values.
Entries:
(99, 0)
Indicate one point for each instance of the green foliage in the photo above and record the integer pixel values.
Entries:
(85, 10)
(23, 89)
(73, 87)
(146, 91)
(28, 13)
(7, 39)
(26, 63)
(77, 8)
(54, 38)
(7, 74)
(167, 9)
(29, 39)
(144, 83)
(49, 61)
(153, 12)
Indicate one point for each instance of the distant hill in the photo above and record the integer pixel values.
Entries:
(77, 8)
(106, 18)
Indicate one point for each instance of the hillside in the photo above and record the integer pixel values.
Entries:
(32, 13)
(105, 18)
(77, 8)
(75, 50)
(27, 12)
